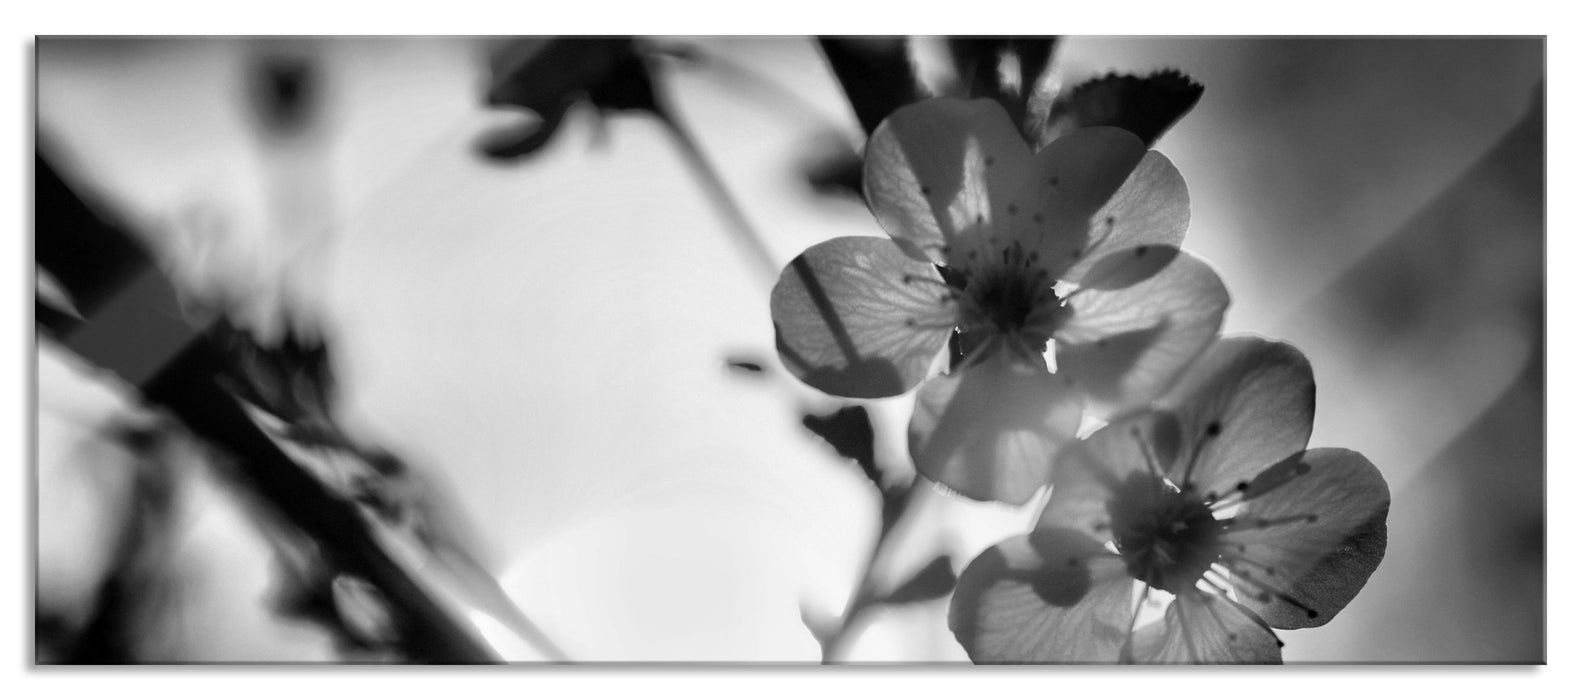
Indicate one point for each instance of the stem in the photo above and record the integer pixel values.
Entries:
(863, 597)
(786, 103)
(135, 328)
(747, 238)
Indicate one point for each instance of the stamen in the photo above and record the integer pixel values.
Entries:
(1243, 524)
(1212, 431)
(1224, 593)
(1148, 454)
(1275, 477)
(1266, 591)
(1220, 621)
(915, 322)
(1227, 501)
(910, 278)
(1131, 628)
(1186, 634)
(1109, 224)
(1241, 558)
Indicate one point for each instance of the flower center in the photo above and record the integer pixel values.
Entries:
(1167, 537)
(1006, 292)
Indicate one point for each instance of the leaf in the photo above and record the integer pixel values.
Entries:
(875, 73)
(1146, 106)
(849, 431)
(548, 76)
(934, 581)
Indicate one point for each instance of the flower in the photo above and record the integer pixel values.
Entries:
(1010, 248)
(1210, 497)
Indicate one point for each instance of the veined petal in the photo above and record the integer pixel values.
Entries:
(1087, 473)
(1151, 208)
(854, 317)
(1056, 596)
(942, 170)
(990, 431)
(1323, 533)
(1203, 628)
(1245, 404)
(1130, 334)
(1076, 175)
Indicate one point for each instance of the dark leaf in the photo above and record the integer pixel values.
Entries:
(547, 76)
(935, 581)
(875, 73)
(1145, 106)
(849, 431)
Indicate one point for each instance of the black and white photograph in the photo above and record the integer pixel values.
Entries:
(788, 350)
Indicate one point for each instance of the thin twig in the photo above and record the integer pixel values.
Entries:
(864, 597)
(746, 236)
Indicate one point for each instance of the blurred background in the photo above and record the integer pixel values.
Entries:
(569, 347)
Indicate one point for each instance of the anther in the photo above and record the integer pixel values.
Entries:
(1141, 250)
(1213, 429)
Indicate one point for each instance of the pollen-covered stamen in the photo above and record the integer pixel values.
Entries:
(1167, 537)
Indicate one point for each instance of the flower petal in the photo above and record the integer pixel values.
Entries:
(991, 430)
(1056, 596)
(1313, 568)
(1203, 628)
(1245, 404)
(854, 317)
(1076, 175)
(1151, 208)
(941, 169)
(1132, 333)
(1087, 473)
